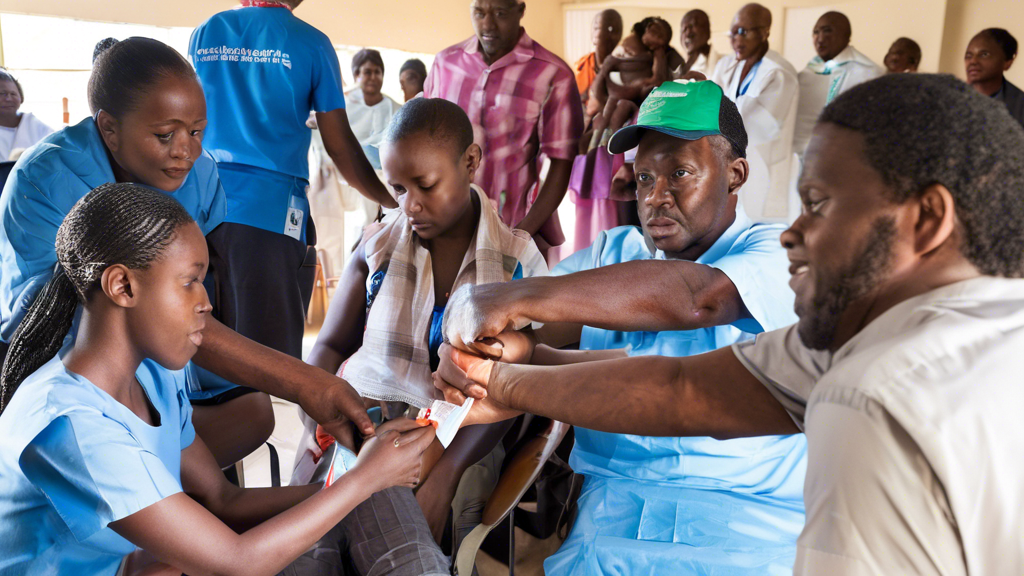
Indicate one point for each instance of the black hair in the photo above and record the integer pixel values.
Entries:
(730, 124)
(366, 55)
(417, 66)
(127, 71)
(640, 27)
(113, 224)
(5, 74)
(442, 120)
(1005, 40)
(926, 129)
(101, 47)
(913, 47)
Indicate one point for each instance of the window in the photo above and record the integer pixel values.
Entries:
(52, 58)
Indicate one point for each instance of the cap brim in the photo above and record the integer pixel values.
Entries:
(629, 137)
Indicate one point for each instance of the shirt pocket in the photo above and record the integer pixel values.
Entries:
(512, 115)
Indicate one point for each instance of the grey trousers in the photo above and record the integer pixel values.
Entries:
(386, 535)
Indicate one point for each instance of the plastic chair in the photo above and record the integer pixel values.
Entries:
(523, 468)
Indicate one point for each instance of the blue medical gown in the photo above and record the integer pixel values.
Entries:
(45, 184)
(689, 505)
(73, 460)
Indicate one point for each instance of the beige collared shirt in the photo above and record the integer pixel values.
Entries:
(915, 433)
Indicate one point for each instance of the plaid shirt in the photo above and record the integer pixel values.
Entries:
(522, 106)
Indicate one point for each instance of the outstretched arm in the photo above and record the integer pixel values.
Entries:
(326, 398)
(706, 395)
(675, 295)
(181, 531)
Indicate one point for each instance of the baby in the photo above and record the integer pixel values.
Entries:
(642, 61)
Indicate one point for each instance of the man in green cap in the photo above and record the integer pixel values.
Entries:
(672, 505)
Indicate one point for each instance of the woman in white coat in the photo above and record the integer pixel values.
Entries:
(17, 129)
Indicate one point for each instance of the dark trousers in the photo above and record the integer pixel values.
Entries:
(260, 283)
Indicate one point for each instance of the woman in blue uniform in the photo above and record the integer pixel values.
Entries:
(149, 115)
(263, 71)
(99, 454)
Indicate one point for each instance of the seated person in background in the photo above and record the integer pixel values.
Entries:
(989, 55)
(17, 129)
(606, 34)
(99, 453)
(836, 68)
(383, 328)
(411, 76)
(903, 56)
(695, 37)
(369, 111)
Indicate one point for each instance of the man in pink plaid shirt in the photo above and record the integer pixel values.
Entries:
(523, 103)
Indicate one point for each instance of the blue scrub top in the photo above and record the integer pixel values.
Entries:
(45, 184)
(689, 505)
(73, 460)
(263, 70)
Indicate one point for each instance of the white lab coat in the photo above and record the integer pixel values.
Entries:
(821, 82)
(30, 130)
(704, 64)
(769, 115)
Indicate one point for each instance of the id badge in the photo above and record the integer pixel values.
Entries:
(295, 220)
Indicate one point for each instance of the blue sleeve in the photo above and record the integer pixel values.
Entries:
(758, 267)
(327, 90)
(94, 472)
(213, 201)
(189, 380)
(28, 232)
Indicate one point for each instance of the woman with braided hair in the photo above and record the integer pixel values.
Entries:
(149, 116)
(99, 455)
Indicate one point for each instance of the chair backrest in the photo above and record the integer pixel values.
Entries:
(521, 471)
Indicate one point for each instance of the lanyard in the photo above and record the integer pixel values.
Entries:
(265, 4)
(742, 90)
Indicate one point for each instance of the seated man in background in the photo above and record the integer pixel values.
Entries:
(989, 56)
(903, 56)
(679, 505)
(764, 87)
(903, 368)
(607, 31)
(695, 36)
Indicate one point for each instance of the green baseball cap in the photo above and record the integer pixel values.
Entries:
(686, 109)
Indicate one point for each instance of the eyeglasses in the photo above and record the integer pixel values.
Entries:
(743, 32)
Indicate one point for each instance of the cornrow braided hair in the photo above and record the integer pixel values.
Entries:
(113, 224)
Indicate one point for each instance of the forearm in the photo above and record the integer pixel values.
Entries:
(549, 197)
(326, 358)
(230, 355)
(659, 70)
(707, 395)
(249, 507)
(609, 297)
(547, 356)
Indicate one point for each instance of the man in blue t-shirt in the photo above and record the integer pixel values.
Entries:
(263, 70)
